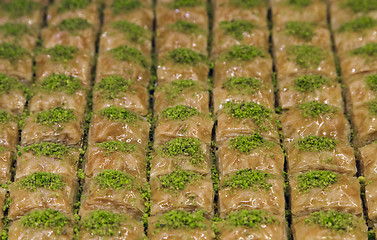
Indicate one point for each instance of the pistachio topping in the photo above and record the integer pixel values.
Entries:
(74, 24)
(60, 82)
(72, 5)
(8, 83)
(257, 112)
(114, 179)
(371, 80)
(179, 112)
(113, 86)
(116, 146)
(300, 3)
(315, 109)
(242, 53)
(129, 54)
(46, 219)
(316, 144)
(185, 3)
(45, 180)
(236, 28)
(132, 31)
(369, 50)
(178, 180)
(247, 3)
(119, 114)
(315, 179)
(48, 149)
(373, 107)
(359, 24)
(251, 218)
(246, 144)
(306, 56)
(181, 220)
(184, 147)
(11, 51)
(61, 53)
(19, 8)
(310, 83)
(103, 223)
(186, 56)
(299, 29)
(334, 220)
(174, 90)
(54, 116)
(5, 117)
(245, 85)
(186, 27)
(249, 179)
(14, 29)
(125, 6)
(361, 5)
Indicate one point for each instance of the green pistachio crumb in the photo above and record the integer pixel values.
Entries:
(174, 90)
(364, 6)
(373, 107)
(257, 112)
(247, 3)
(315, 109)
(334, 220)
(190, 147)
(129, 54)
(371, 80)
(72, 5)
(236, 28)
(359, 24)
(249, 179)
(306, 56)
(186, 56)
(103, 223)
(245, 85)
(186, 27)
(114, 179)
(54, 116)
(116, 146)
(125, 6)
(60, 82)
(300, 3)
(242, 53)
(246, 144)
(316, 144)
(132, 31)
(112, 86)
(315, 179)
(369, 50)
(46, 219)
(302, 30)
(179, 112)
(181, 220)
(74, 24)
(310, 83)
(14, 29)
(185, 3)
(61, 53)
(250, 218)
(5, 117)
(11, 52)
(8, 83)
(178, 180)
(48, 149)
(19, 8)
(45, 180)
(119, 114)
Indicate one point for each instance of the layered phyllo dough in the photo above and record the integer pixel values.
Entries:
(183, 121)
(115, 123)
(317, 119)
(7, 158)
(104, 224)
(21, 34)
(42, 224)
(180, 64)
(249, 189)
(22, 11)
(57, 125)
(180, 225)
(8, 130)
(115, 191)
(13, 94)
(323, 190)
(320, 225)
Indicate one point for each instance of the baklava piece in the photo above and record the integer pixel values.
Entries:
(22, 11)
(8, 130)
(13, 94)
(7, 158)
(21, 34)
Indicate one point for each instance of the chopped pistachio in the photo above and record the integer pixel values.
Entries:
(112, 86)
(185, 3)
(245, 85)
(8, 83)
(181, 220)
(129, 54)
(257, 112)
(250, 218)
(315, 109)
(19, 8)
(306, 56)
(103, 223)
(247, 3)
(179, 112)
(5, 117)
(236, 28)
(46, 219)
(299, 29)
(246, 144)
(364, 6)
(11, 51)
(369, 50)
(48, 149)
(178, 180)
(45, 180)
(61, 53)
(119, 114)
(74, 24)
(371, 80)
(72, 5)
(373, 107)
(60, 82)
(114, 179)
(55, 116)
(132, 31)
(186, 56)
(249, 179)
(310, 83)
(186, 27)
(315, 179)
(125, 6)
(334, 220)
(14, 29)
(184, 147)
(316, 144)
(359, 24)
(242, 53)
(300, 3)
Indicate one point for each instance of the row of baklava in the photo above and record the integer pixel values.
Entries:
(354, 26)
(320, 161)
